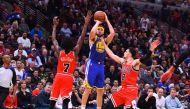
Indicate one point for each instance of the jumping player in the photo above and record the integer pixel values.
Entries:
(129, 75)
(94, 71)
(63, 82)
(167, 75)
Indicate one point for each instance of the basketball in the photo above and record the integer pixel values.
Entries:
(99, 15)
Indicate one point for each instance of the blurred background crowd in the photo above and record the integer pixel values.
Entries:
(25, 34)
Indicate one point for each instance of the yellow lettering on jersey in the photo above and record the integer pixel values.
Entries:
(100, 47)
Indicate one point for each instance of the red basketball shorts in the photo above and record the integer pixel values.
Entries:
(124, 96)
(62, 85)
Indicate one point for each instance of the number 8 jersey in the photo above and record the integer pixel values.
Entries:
(66, 63)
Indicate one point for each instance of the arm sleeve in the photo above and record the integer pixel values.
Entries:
(179, 105)
(181, 58)
(14, 77)
(146, 59)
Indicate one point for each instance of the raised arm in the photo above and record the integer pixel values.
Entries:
(170, 71)
(112, 32)
(93, 31)
(81, 38)
(145, 59)
(111, 54)
(55, 43)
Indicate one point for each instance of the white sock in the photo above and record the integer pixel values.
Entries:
(83, 107)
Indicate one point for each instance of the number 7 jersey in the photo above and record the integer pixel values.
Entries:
(66, 63)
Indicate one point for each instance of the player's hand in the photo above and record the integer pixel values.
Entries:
(168, 74)
(55, 21)
(88, 17)
(154, 45)
(97, 21)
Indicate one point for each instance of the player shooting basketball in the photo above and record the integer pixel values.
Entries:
(95, 66)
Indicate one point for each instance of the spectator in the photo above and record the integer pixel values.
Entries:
(38, 89)
(11, 100)
(20, 73)
(147, 101)
(112, 74)
(20, 51)
(44, 57)
(24, 41)
(76, 97)
(147, 78)
(35, 78)
(24, 97)
(172, 101)
(33, 57)
(43, 101)
(115, 85)
(23, 27)
(160, 100)
(2, 48)
(65, 30)
(37, 30)
(145, 23)
(74, 30)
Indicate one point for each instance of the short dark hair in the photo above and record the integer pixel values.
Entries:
(133, 52)
(151, 88)
(173, 89)
(67, 44)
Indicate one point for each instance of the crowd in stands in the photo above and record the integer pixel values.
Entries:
(34, 58)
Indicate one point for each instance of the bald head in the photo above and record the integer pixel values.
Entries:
(160, 92)
(6, 60)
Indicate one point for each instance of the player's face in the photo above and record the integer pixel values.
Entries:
(100, 31)
(127, 53)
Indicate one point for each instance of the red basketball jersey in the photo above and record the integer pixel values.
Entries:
(66, 62)
(129, 76)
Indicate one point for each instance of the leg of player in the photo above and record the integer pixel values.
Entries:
(100, 93)
(65, 103)
(52, 104)
(85, 97)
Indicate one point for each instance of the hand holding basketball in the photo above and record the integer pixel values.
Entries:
(100, 16)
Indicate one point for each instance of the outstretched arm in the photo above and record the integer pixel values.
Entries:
(112, 32)
(81, 38)
(111, 54)
(55, 43)
(144, 60)
(93, 31)
(170, 71)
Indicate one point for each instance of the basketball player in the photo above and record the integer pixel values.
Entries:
(63, 82)
(129, 75)
(167, 75)
(94, 71)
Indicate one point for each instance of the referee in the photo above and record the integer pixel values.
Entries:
(7, 79)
